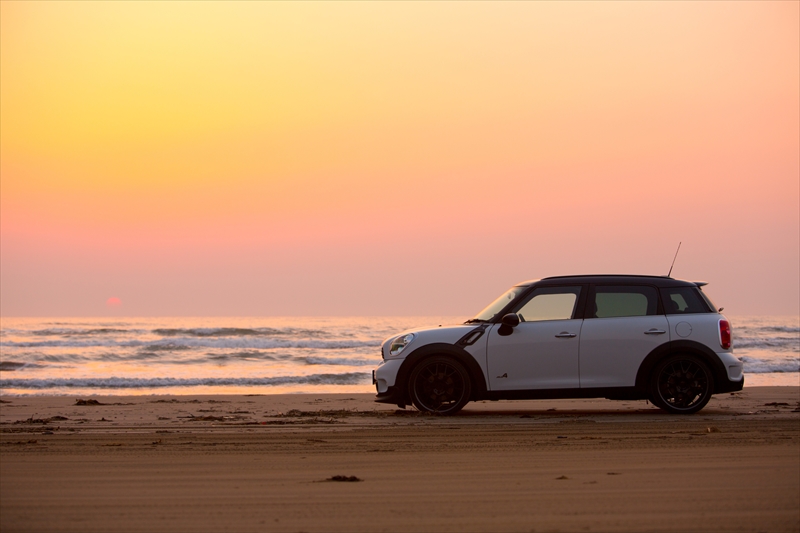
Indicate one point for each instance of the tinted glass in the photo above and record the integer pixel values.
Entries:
(496, 306)
(683, 300)
(709, 303)
(550, 303)
(613, 301)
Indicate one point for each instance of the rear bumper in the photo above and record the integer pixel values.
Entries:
(730, 386)
(734, 375)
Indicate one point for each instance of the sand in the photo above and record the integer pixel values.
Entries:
(263, 463)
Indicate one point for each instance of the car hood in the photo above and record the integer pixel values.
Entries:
(423, 336)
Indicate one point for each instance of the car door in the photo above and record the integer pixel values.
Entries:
(623, 324)
(542, 351)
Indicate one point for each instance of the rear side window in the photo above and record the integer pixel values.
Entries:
(683, 300)
(623, 300)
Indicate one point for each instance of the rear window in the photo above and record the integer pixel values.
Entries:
(707, 300)
(683, 300)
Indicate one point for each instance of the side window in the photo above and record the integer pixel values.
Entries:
(683, 300)
(550, 303)
(630, 300)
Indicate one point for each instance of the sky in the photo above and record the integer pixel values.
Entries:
(392, 158)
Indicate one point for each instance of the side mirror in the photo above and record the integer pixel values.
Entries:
(511, 320)
(507, 324)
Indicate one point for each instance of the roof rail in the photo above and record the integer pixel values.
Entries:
(610, 276)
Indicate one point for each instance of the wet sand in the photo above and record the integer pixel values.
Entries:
(263, 463)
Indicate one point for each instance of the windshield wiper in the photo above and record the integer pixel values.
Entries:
(475, 321)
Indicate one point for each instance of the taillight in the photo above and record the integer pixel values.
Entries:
(724, 334)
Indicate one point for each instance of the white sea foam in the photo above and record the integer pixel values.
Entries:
(784, 344)
(70, 332)
(114, 382)
(186, 343)
(754, 365)
(339, 361)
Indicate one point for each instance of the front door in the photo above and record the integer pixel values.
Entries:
(542, 351)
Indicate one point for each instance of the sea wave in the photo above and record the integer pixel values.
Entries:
(344, 361)
(10, 366)
(754, 365)
(177, 355)
(72, 332)
(247, 355)
(187, 343)
(166, 347)
(349, 378)
(773, 328)
(779, 344)
(239, 332)
(781, 329)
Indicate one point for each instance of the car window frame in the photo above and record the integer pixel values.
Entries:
(592, 292)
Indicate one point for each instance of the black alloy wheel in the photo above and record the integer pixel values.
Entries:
(439, 385)
(682, 384)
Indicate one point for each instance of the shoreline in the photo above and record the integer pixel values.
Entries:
(780, 379)
(361, 396)
(262, 463)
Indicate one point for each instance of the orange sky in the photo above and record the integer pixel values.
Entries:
(323, 158)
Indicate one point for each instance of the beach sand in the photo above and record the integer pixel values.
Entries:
(263, 463)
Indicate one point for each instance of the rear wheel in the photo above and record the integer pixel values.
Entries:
(681, 384)
(439, 385)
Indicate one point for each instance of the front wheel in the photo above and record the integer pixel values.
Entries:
(681, 384)
(439, 385)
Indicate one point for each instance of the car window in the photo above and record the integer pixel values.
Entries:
(683, 300)
(707, 300)
(624, 300)
(496, 306)
(550, 303)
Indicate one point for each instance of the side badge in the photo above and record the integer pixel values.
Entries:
(503, 376)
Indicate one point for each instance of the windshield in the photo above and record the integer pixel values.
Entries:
(496, 306)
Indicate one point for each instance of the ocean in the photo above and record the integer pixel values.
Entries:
(132, 356)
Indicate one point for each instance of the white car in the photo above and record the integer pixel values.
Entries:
(616, 337)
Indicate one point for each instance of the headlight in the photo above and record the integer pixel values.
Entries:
(400, 343)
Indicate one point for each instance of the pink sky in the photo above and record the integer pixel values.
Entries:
(392, 158)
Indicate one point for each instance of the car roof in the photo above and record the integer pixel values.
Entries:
(658, 281)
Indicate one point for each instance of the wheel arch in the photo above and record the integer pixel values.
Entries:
(670, 348)
(459, 354)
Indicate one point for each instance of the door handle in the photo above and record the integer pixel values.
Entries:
(654, 331)
(564, 334)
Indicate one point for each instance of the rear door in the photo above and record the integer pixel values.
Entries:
(623, 324)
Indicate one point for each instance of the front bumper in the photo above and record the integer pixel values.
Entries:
(384, 378)
(385, 375)
(392, 395)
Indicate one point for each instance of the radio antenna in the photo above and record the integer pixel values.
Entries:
(674, 258)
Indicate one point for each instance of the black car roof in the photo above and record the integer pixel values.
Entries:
(658, 281)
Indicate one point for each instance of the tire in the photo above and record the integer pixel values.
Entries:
(439, 385)
(681, 384)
